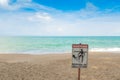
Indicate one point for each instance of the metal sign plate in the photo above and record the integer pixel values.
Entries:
(79, 55)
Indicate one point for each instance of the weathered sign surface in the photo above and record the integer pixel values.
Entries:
(79, 55)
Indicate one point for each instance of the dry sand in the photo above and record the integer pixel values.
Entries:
(101, 66)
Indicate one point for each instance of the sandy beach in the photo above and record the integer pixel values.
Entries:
(101, 66)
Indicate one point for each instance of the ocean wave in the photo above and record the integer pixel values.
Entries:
(105, 50)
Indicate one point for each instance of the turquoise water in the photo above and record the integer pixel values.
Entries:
(56, 44)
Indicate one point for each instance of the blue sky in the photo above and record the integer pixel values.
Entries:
(59, 17)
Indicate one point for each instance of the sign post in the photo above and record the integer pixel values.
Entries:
(79, 56)
(78, 73)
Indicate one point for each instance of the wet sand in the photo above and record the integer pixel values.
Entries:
(101, 66)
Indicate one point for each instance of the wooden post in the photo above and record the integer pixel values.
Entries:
(78, 73)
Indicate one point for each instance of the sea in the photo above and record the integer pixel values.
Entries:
(57, 44)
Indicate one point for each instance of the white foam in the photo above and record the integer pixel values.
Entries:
(105, 50)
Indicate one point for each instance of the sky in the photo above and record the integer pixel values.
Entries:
(59, 17)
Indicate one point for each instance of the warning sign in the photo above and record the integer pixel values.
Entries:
(79, 55)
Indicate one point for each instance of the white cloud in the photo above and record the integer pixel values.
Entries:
(41, 17)
(4, 3)
(88, 12)
(90, 7)
(60, 29)
(21, 4)
(11, 5)
(24, 1)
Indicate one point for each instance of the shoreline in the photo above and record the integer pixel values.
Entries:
(46, 53)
